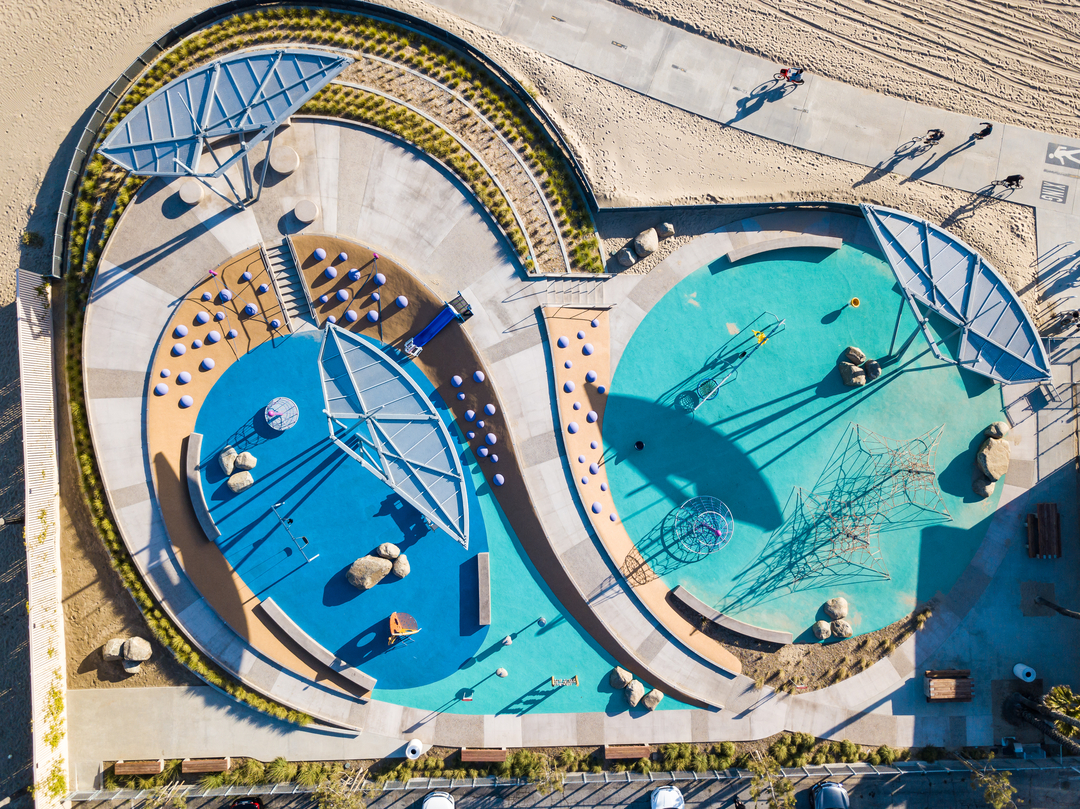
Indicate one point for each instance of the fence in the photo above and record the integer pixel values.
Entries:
(46, 616)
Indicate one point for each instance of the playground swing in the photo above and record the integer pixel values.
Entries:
(402, 625)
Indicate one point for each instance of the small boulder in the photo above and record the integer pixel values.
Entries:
(401, 567)
(646, 242)
(822, 630)
(853, 375)
(652, 699)
(367, 571)
(240, 481)
(634, 692)
(227, 459)
(984, 487)
(113, 649)
(993, 457)
(665, 231)
(836, 607)
(626, 257)
(132, 666)
(619, 678)
(388, 550)
(853, 355)
(999, 429)
(841, 628)
(136, 649)
(245, 461)
(872, 369)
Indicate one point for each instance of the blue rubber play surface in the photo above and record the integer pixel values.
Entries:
(782, 441)
(346, 512)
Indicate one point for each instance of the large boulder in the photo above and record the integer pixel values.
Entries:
(388, 550)
(227, 459)
(619, 678)
(367, 571)
(836, 607)
(853, 375)
(132, 666)
(634, 692)
(245, 461)
(999, 429)
(401, 566)
(666, 230)
(872, 369)
(841, 628)
(993, 457)
(113, 649)
(240, 481)
(136, 649)
(626, 257)
(646, 242)
(853, 355)
(984, 487)
(822, 630)
(652, 699)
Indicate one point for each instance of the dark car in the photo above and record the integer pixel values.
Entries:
(829, 795)
(246, 803)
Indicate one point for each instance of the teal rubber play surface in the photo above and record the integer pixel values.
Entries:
(345, 512)
(823, 481)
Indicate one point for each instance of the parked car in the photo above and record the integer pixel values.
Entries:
(246, 803)
(829, 795)
(438, 800)
(667, 797)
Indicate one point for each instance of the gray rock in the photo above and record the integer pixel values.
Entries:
(113, 649)
(245, 461)
(853, 375)
(872, 368)
(240, 481)
(626, 257)
(993, 457)
(367, 571)
(388, 550)
(841, 628)
(666, 230)
(822, 630)
(984, 487)
(634, 692)
(501, 672)
(136, 649)
(853, 355)
(646, 242)
(619, 678)
(401, 567)
(132, 666)
(999, 429)
(652, 699)
(836, 607)
(227, 459)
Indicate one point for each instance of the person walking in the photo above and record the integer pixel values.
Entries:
(739, 804)
(934, 135)
(987, 128)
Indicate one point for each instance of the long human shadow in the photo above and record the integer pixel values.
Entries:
(905, 151)
(934, 163)
(763, 94)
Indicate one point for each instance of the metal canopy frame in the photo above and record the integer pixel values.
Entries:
(381, 418)
(247, 95)
(938, 271)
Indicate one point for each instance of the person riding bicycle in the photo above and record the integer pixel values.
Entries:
(1012, 181)
(792, 75)
(934, 135)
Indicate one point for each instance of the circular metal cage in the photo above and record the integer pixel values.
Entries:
(703, 525)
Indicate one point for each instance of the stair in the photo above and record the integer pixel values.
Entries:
(289, 287)
(583, 292)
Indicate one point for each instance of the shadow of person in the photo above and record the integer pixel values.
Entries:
(768, 92)
(933, 164)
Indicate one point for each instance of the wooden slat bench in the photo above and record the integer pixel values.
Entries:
(1044, 532)
(191, 765)
(484, 754)
(949, 685)
(155, 767)
(615, 752)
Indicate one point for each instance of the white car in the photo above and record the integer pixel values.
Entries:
(667, 797)
(438, 800)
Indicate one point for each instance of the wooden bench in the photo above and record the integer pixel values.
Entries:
(139, 767)
(313, 648)
(483, 574)
(615, 752)
(949, 685)
(727, 622)
(783, 243)
(495, 755)
(192, 448)
(1044, 532)
(192, 765)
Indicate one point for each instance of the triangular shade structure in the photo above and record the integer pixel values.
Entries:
(940, 272)
(381, 418)
(252, 91)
